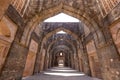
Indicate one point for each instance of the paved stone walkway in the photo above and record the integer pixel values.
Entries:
(60, 73)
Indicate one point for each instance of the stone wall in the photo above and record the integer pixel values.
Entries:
(15, 17)
(115, 31)
(4, 48)
(15, 63)
(93, 60)
(3, 6)
(31, 57)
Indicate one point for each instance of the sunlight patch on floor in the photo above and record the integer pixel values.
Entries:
(63, 70)
(64, 74)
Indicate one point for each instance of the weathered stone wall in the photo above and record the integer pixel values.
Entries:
(15, 17)
(4, 48)
(31, 57)
(93, 60)
(8, 31)
(115, 31)
(15, 62)
(3, 6)
(107, 51)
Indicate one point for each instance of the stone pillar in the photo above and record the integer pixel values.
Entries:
(86, 67)
(30, 62)
(79, 60)
(76, 61)
(69, 60)
(16, 58)
(4, 48)
(42, 60)
(45, 62)
(37, 62)
(109, 58)
(15, 62)
(50, 61)
(86, 62)
(110, 64)
(29, 67)
(109, 61)
(72, 61)
(53, 59)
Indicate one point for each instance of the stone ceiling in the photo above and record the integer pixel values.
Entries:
(88, 11)
(89, 7)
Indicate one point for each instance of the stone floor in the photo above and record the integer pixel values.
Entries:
(60, 73)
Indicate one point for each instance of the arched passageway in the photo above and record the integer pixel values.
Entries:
(30, 46)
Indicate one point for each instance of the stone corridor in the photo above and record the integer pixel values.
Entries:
(31, 47)
(60, 73)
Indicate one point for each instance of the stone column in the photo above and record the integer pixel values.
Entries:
(4, 48)
(53, 59)
(69, 60)
(16, 58)
(108, 57)
(72, 61)
(31, 57)
(37, 62)
(42, 60)
(79, 60)
(85, 59)
(15, 62)
(46, 61)
(76, 61)
(86, 62)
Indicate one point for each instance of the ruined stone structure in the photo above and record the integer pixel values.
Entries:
(28, 45)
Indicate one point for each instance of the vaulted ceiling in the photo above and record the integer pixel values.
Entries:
(90, 12)
(89, 7)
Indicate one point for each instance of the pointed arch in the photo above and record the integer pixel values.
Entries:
(81, 15)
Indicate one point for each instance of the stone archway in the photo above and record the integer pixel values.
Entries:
(105, 47)
(45, 39)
